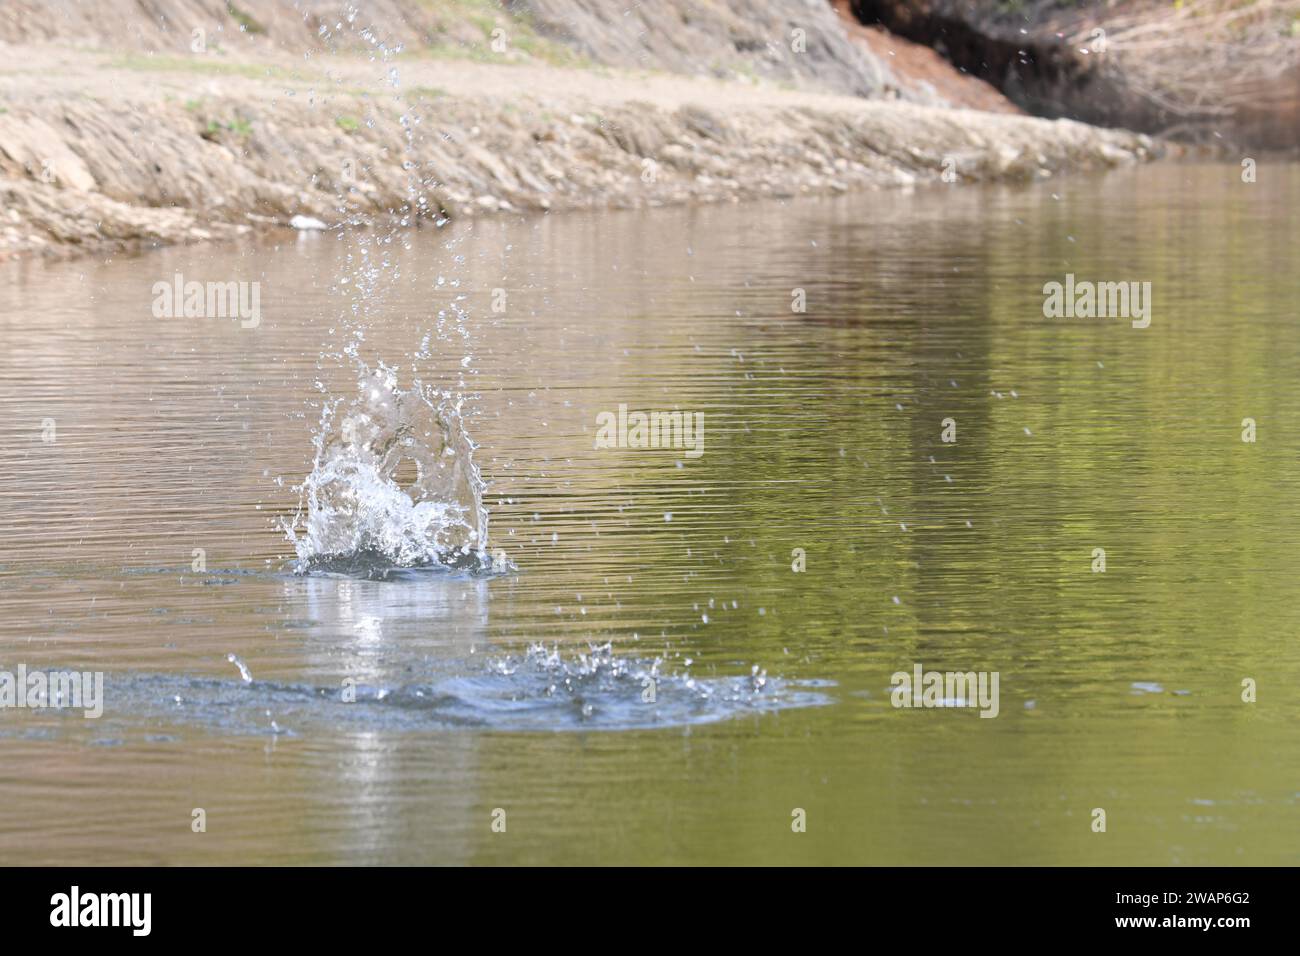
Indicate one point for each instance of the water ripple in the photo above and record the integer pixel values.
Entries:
(538, 690)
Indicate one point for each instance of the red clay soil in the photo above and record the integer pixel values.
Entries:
(913, 64)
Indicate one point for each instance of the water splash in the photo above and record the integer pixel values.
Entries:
(244, 673)
(393, 484)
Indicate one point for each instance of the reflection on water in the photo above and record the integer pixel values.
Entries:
(1119, 690)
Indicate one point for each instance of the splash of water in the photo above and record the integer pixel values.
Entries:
(393, 484)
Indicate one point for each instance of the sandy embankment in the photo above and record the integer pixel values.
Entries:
(103, 150)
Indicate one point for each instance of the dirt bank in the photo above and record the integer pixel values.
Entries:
(104, 148)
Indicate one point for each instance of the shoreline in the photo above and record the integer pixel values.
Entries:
(173, 150)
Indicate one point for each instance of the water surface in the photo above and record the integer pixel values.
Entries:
(477, 691)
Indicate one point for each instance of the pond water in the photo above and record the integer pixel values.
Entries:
(149, 463)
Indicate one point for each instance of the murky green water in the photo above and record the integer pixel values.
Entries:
(1119, 690)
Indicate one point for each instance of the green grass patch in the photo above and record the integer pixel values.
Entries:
(239, 126)
(245, 21)
(204, 63)
(425, 93)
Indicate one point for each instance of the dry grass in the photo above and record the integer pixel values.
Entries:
(1203, 60)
